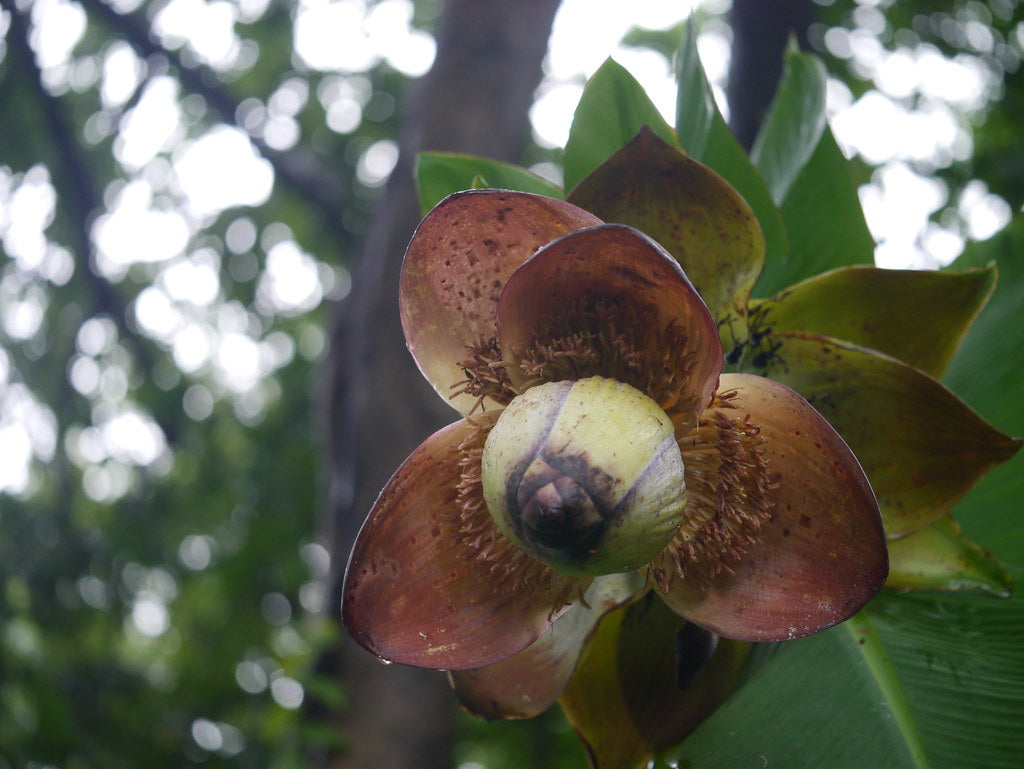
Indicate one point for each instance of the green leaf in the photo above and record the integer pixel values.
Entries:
(958, 656)
(793, 126)
(691, 211)
(940, 557)
(824, 221)
(921, 447)
(697, 117)
(707, 138)
(613, 108)
(917, 316)
(940, 670)
(823, 701)
(987, 373)
(439, 174)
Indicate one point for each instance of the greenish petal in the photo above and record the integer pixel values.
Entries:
(921, 446)
(528, 683)
(706, 137)
(691, 211)
(613, 107)
(940, 557)
(917, 316)
(642, 688)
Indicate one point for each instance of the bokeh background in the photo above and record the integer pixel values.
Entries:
(202, 382)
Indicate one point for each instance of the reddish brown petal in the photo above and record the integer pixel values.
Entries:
(414, 594)
(821, 555)
(456, 265)
(610, 301)
(528, 683)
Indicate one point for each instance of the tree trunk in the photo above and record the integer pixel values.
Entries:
(761, 30)
(378, 407)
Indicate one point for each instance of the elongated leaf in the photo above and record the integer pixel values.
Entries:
(439, 174)
(988, 373)
(706, 137)
(818, 703)
(917, 316)
(613, 108)
(697, 117)
(946, 667)
(921, 447)
(793, 126)
(824, 221)
(959, 659)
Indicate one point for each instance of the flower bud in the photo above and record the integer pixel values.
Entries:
(585, 476)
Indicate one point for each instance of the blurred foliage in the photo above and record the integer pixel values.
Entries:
(160, 593)
(161, 601)
(886, 45)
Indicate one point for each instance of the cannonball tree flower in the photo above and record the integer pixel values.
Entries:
(601, 451)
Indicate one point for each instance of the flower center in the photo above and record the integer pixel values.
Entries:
(585, 476)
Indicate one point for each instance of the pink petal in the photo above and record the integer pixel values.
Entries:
(414, 594)
(822, 553)
(612, 279)
(456, 265)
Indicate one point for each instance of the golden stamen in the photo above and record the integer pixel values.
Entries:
(467, 521)
(617, 339)
(728, 500)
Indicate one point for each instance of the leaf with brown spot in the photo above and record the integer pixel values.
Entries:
(917, 316)
(691, 211)
(921, 446)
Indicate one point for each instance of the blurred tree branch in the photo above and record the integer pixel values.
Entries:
(79, 192)
(299, 168)
(761, 31)
(475, 100)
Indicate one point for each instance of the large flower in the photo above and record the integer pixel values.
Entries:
(521, 309)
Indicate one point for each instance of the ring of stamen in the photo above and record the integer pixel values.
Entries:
(499, 562)
(728, 488)
(617, 339)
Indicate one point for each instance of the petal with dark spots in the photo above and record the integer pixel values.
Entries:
(456, 266)
(609, 301)
(414, 594)
(690, 210)
(820, 556)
